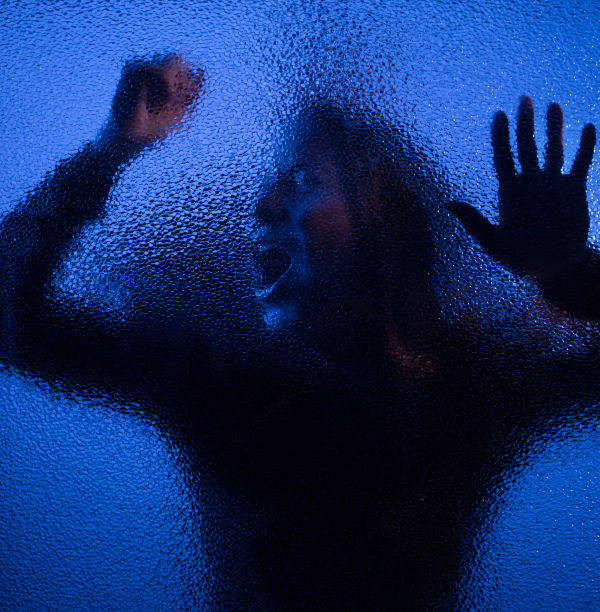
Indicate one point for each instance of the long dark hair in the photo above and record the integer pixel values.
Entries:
(392, 199)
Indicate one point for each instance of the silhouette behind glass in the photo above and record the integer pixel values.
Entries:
(358, 436)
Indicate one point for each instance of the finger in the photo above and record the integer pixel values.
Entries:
(128, 90)
(584, 156)
(158, 88)
(503, 159)
(554, 145)
(475, 223)
(526, 147)
(188, 84)
(139, 77)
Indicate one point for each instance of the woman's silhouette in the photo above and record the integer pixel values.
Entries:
(361, 459)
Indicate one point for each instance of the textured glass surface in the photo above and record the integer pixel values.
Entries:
(259, 347)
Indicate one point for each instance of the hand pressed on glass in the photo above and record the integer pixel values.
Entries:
(543, 219)
(153, 99)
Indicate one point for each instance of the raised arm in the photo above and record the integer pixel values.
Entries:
(152, 100)
(543, 219)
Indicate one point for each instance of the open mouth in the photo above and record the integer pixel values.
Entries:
(271, 264)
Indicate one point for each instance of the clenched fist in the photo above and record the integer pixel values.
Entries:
(152, 100)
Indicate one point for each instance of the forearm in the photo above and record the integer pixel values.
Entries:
(36, 234)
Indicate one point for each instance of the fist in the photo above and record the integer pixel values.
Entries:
(153, 98)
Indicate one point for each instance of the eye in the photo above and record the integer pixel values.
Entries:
(300, 180)
(300, 177)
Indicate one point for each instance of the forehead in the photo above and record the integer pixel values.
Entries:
(308, 147)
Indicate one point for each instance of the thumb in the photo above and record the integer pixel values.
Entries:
(475, 223)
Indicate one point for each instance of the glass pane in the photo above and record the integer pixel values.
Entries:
(293, 318)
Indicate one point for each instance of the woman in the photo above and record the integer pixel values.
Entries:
(289, 433)
(356, 465)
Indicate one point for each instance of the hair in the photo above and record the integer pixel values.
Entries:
(392, 198)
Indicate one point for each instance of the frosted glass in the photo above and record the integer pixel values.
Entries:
(291, 319)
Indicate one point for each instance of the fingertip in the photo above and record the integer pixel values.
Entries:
(525, 102)
(464, 214)
(589, 133)
(525, 112)
(585, 155)
(474, 222)
(554, 111)
(499, 123)
(456, 207)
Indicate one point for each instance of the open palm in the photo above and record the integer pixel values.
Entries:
(543, 219)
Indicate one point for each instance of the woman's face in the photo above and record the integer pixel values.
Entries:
(304, 239)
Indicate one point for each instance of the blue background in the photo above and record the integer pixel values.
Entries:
(95, 508)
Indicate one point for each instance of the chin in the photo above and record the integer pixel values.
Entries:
(278, 317)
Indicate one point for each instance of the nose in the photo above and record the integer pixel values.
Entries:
(270, 207)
